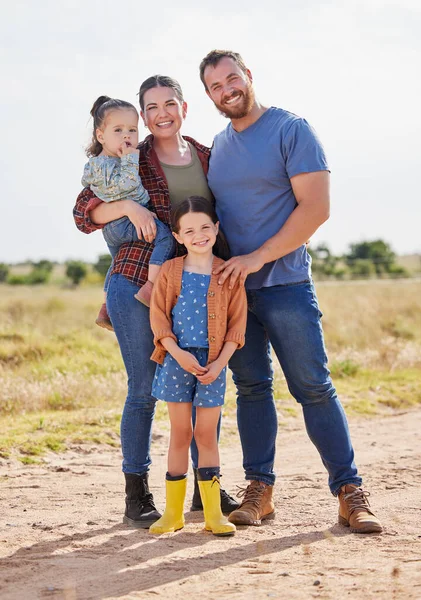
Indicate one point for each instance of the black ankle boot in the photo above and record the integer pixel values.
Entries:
(228, 504)
(140, 507)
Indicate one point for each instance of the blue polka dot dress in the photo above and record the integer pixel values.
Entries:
(190, 318)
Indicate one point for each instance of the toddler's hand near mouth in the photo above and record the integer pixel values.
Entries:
(127, 148)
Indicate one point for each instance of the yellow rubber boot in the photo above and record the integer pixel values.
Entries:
(173, 517)
(215, 521)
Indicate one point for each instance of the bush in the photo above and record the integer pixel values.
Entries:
(103, 264)
(38, 276)
(43, 265)
(4, 272)
(362, 267)
(35, 277)
(339, 273)
(76, 271)
(17, 279)
(398, 271)
(344, 368)
(378, 252)
(324, 263)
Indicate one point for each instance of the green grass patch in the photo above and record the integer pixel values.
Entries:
(344, 368)
(28, 460)
(372, 391)
(58, 431)
(290, 410)
(63, 379)
(29, 436)
(362, 406)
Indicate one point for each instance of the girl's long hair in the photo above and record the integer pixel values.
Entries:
(99, 110)
(198, 204)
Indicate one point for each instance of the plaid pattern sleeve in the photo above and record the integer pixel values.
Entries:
(86, 201)
(132, 259)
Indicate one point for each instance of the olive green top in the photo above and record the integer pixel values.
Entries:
(186, 180)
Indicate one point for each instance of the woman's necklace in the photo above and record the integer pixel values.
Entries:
(178, 155)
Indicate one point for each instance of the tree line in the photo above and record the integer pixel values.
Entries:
(363, 260)
(374, 259)
(41, 271)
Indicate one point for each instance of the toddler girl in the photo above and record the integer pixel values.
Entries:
(197, 326)
(113, 174)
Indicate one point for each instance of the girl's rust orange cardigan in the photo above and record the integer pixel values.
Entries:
(227, 310)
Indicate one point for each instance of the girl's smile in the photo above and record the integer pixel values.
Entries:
(197, 232)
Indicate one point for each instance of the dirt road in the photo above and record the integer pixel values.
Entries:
(61, 535)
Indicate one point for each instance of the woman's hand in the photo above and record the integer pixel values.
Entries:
(214, 370)
(189, 363)
(143, 219)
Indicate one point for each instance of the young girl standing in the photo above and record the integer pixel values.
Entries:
(197, 326)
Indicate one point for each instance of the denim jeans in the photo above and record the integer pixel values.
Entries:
(130, 319)
(287, 317)
(122, 231)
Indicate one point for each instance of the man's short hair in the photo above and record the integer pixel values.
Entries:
(213, 58)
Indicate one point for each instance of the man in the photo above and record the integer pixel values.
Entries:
(270, 179)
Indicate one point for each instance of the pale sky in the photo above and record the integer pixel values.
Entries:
(349, 67)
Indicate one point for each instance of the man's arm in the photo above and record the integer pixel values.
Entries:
(311, 191)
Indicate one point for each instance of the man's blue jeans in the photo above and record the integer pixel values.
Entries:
(287, 317)
(130, 319)
(122, 230)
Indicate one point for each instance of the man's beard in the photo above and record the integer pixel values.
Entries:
(242, 109)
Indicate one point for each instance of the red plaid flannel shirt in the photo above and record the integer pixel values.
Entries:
(133, 258)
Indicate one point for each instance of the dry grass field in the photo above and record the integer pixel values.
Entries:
(62, 388)
(62, 379)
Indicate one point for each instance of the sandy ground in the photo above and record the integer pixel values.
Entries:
(61, 534)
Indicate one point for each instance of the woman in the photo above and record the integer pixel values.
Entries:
(171, 167)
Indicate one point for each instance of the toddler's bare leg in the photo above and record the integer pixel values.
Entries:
(103, 319)
(145, 292)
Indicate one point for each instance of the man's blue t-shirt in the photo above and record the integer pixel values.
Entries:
(249, 175)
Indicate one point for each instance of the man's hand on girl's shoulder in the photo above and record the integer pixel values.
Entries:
(238, 267)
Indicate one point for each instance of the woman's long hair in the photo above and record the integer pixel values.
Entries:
(159, 81)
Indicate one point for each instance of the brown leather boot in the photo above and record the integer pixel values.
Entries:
(354, 511)
(256, 506)
(144, 293)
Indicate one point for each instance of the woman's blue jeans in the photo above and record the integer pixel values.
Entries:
(130, 320)
(287, 317)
